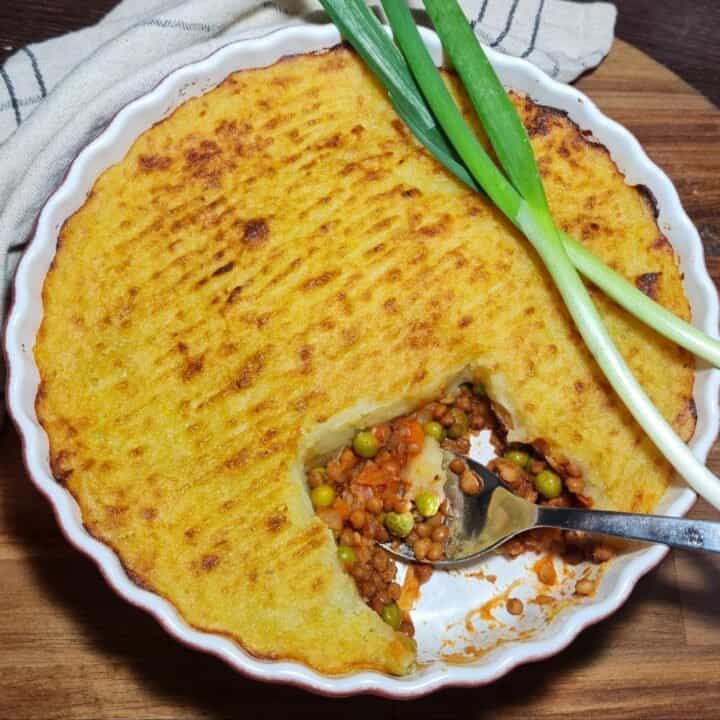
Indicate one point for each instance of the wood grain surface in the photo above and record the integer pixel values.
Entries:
(71, 649)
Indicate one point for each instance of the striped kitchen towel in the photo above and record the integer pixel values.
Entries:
(57, 95)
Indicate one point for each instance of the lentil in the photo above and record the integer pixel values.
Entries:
(440, 534)
(514, 606)
(457, 466)
(435, 551)
(469, 483)
(317, 477)
(584, 587)
(422, 548)
(357, 519)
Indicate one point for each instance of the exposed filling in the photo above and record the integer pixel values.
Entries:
(388, 486)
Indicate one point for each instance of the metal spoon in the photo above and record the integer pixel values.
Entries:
(481, 522)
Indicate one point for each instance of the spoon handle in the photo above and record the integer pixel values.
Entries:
(676, 532)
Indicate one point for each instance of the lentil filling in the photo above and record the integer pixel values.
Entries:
(366, 494)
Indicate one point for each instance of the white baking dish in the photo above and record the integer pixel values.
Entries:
(446, 597)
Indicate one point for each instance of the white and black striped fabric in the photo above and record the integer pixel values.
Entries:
(57, 95)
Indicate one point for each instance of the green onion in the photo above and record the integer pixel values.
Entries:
(527, 208)
(510, 141)
(362, 29)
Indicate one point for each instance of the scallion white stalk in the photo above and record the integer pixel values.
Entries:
(510, 141)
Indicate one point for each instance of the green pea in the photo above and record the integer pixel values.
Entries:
(548, 484)
(322, 496)
(434, 430)
(346, 555)
(399, 524)
(391, 615)
(478, 389)
(460, 425)
(519, 457)
(427, 504)
(365, 444)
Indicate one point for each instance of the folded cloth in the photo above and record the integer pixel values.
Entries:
(61, 93)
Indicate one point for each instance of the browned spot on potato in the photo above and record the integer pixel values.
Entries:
(437, 228)
(411, 193)
(334, 63)
(305, 353)
(648, 284)
(661, 244)
(227, 128)
(465, 321)
(255, 232)
(208, 562)
(391, 305)
(149, 513)
(320, 280)
(317, 584)
(399, 127)
(226, 268)
(332, 142)
(192, 367)
(650, 200)
(276, 521)
(200, 155)
(148, 163)
(59, 464)
(234, 294)
(137, 578)
(688, 415)
(250, 370)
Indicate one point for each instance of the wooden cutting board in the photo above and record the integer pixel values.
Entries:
(70, 648)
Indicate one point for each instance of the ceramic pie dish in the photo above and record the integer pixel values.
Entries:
(446, 600)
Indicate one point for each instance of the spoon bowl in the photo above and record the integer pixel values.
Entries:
(481, 522)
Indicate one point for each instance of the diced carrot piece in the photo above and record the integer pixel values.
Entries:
(381, 433)
(417, 436)
(371, 474)
(347, 460)
(342, 507)
(331, 518)
(334, 470)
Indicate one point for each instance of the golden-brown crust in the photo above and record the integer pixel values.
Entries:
(272, 254)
